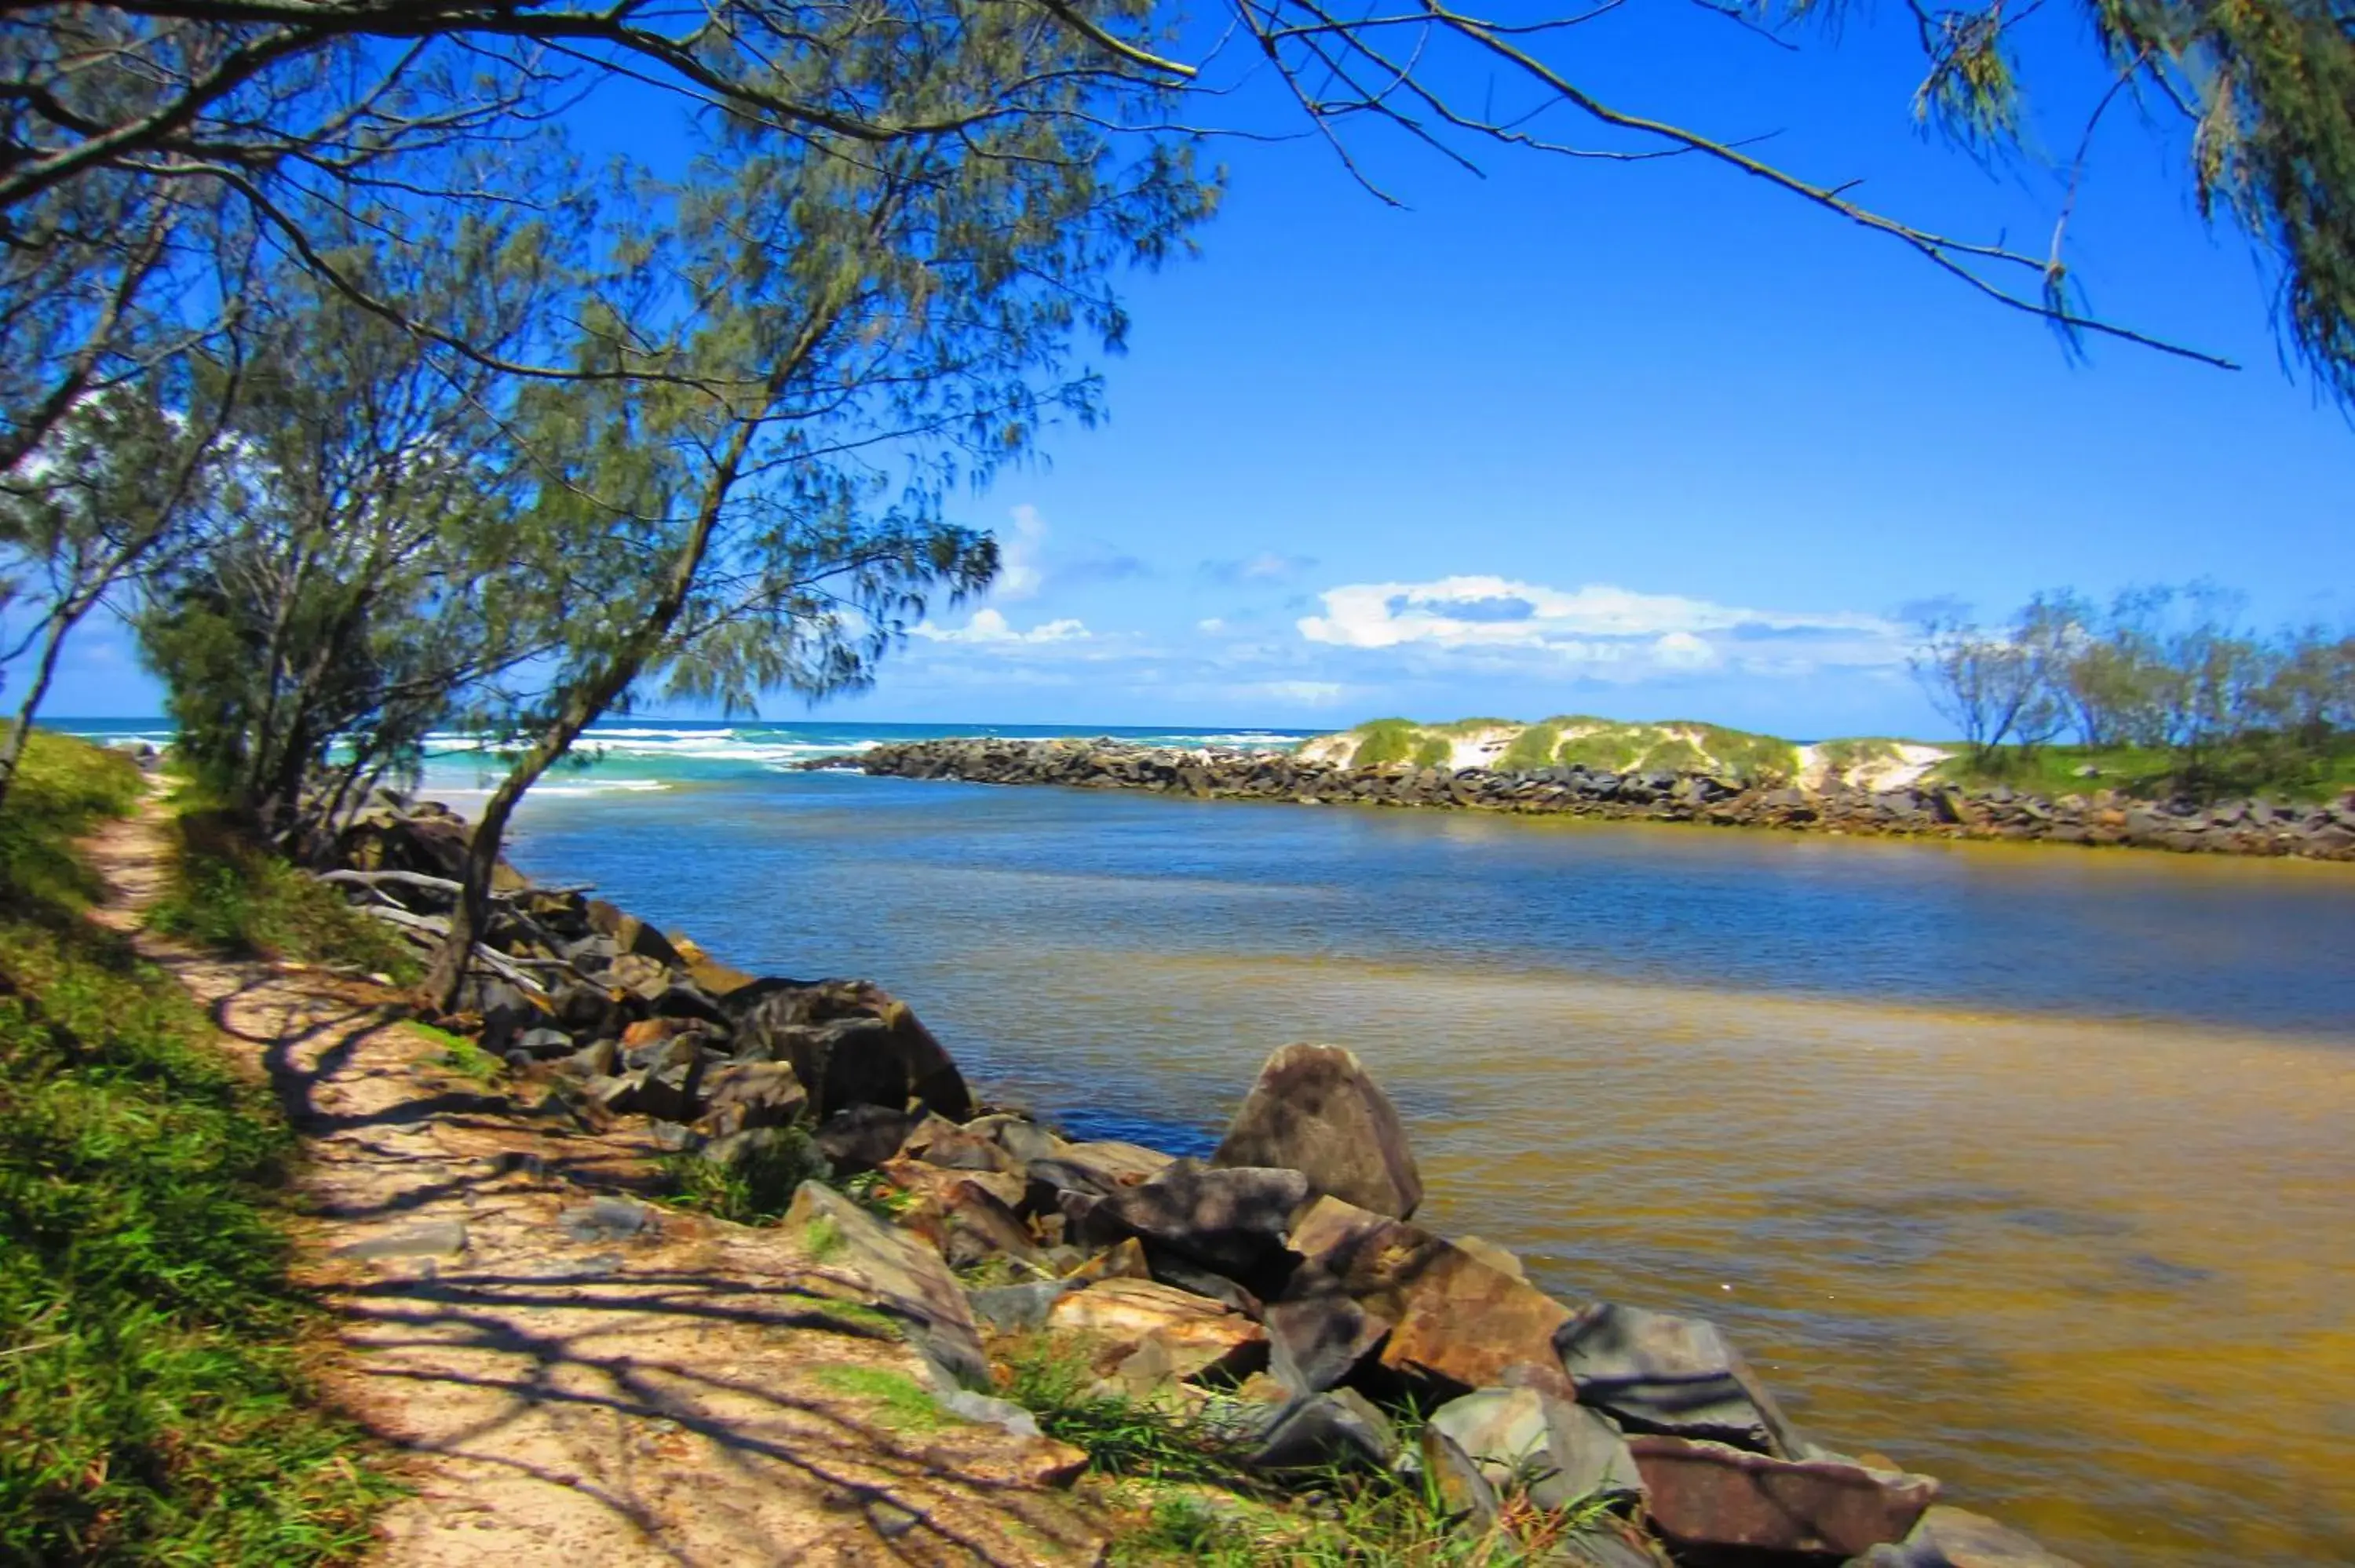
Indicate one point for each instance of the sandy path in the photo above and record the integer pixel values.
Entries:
(676, 1395)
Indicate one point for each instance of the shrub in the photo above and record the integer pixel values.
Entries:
(1531, 750)
(757, 1184)
(1385, 741)
(232, 892)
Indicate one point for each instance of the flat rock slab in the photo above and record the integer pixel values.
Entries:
(1560, 1454)
(904, 1275)
(1316, 1110)
(1714, 1495)
(1189, 1335)
(1671, 1376)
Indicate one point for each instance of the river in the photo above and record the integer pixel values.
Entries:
(2027, 1166)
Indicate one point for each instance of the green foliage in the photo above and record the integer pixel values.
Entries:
(1184, 1528)
(1743, 755)
(1609, 750)
(1675, 754)
(1434, 751)
(65, 787)
(460, 1055)
(755, 1186)
(1122, 1435)
(1385, 741)
(153, 1407)
(1531, 750)
(231, 891)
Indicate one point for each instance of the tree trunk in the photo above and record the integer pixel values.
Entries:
(11, 751)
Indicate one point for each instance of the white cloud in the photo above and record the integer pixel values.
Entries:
(991, 626)
(1610, 632)
(1316, 692)
(1020, 574)
(1214, 626)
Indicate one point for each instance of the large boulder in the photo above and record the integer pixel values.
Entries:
(851, 1043)
(1674, 1376)
(1458, 1323)
(1320, 1431)
(631, 934)
(1231, 1221)
(1950, 1538)
(1528, 1440)
(1711, 1495)
(740, 1095)
(904, 1277)
(1315, 1109)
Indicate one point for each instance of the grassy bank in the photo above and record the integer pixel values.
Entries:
(230, 890)
(2151, 775)
(153, 1405)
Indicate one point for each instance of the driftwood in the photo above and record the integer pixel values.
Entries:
(491, 958)
(371, 880)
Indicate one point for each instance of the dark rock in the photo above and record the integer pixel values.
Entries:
(1318, 1333)
(905, 1278)
(1711, 1495)
(1172, 1268)
(629, 935)
(1675, 1376)
(739, 1095)
(1022, 1139)
(1232, 1221)
(1950, 1538)
(544, 1044)
(1458, 1323)
(936, 1141)
(862, 1137)
(1323, 1430)
(1463, 1492)
(1315, 1109)
(881, 1055)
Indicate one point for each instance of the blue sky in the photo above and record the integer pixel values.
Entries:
(1643, 440)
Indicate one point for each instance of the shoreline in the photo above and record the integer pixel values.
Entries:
(2248, 828)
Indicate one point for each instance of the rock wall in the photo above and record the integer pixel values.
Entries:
(1938, 810)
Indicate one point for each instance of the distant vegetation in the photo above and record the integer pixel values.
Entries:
(1569, 740)
(2166, 688)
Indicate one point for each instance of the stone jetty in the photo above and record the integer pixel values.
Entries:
(1924, 811)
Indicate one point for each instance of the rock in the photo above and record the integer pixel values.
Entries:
(905, 1278)
(1950, 1538)
(778, 1142)
(936, 1141)
(1315, 1109)
(1318, 1333)
(1529, 1440)
(1458, 1324)
(862, 1137)
(1462, 1489)
(1199, 1338)
(439, 1238)
(545, 1044)
(1498, 1258)
(1675, 1376)
(608, 1219)
(641, 977)
(1713, 1495)
(1232, 1221)
(1111, 1165)
(1170, 1268)
(631, 934)
(595, 1060)
(1010, 1308)
(740, 1095)
(673, 1092)
(1125, 1260)
(1321, 1430)
(855, 1043)
(1022, 1139)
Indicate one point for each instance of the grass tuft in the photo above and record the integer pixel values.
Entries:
(758, 1185)
(899, 1401)
(232, 892)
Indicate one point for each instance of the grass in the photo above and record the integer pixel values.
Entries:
(153, 1402)
(899, 1401)
(1531, 750)
(755, 1187)
(232, 892)
(1049, 1376)
(460, 1055)
(1384, 741)
(2149, 774)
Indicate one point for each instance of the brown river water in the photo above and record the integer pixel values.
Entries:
(2030, 1168)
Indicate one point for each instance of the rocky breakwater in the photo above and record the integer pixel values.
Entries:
(1277, 1296)
(1928, 809)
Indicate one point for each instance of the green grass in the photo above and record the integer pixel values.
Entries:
(1384, 741)
(899, 1401)
(1049, 1376)
(1746, 755)
(1433, 752)
(2249, 770)
(756, 1187)
(1604, 751)
(460, 1055)
(231, 892)
(1531, 750)
(153, 1405)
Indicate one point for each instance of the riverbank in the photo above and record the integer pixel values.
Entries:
(2101, 818)
(1277, 1302)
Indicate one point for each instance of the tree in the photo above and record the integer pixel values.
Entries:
(109, 494)
(124, 121)
(1993, 689)
(346, 593)
(823, 335)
